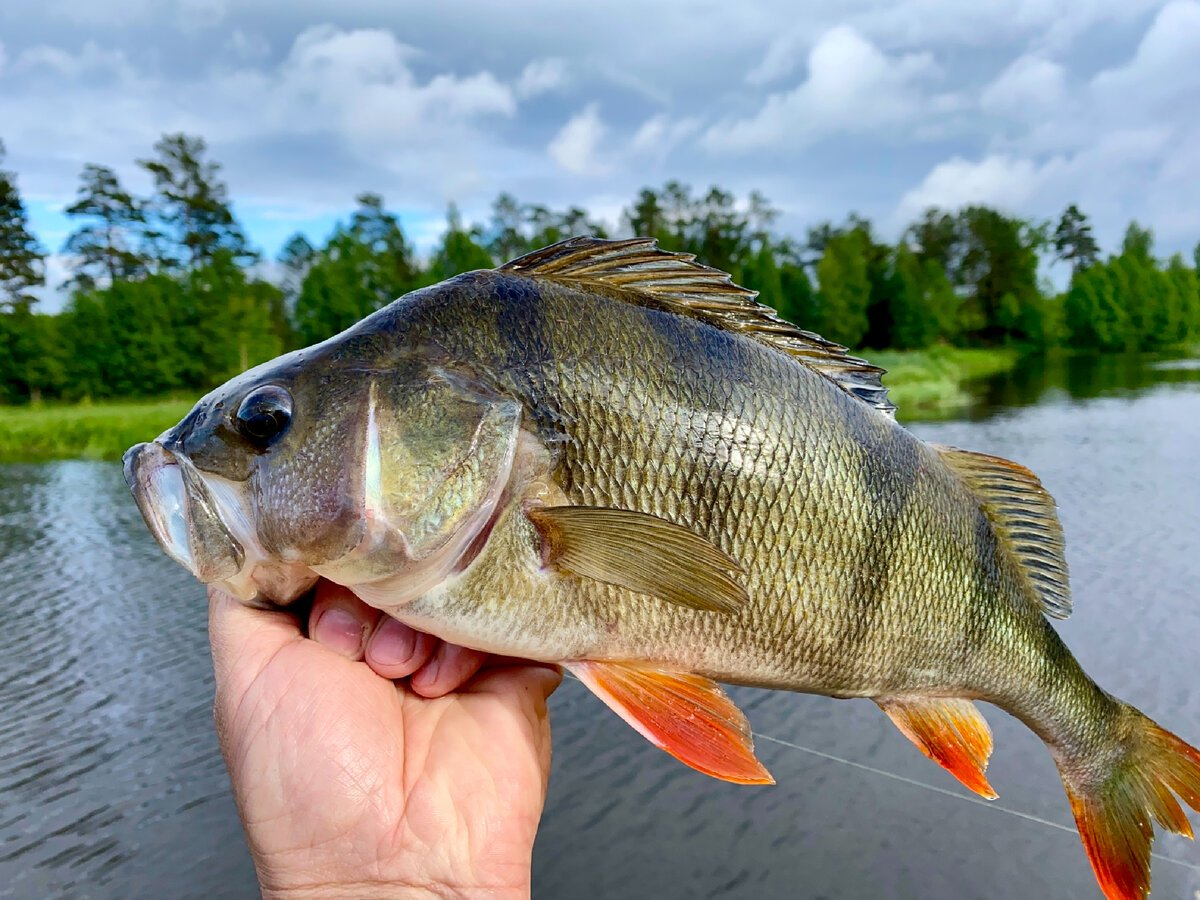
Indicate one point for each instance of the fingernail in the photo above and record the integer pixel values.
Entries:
(429, 673)
(341, 632)
(393, 643)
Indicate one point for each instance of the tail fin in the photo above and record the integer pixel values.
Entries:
(1114, 802)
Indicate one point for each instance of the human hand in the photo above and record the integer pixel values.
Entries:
(352, 785)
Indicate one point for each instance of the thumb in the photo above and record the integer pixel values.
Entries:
(243, 640)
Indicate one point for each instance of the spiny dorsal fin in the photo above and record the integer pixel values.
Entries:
(675, 282)
(1023, 514)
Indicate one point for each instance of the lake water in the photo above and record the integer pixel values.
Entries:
(111, 784)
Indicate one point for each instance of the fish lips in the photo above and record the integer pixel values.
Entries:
(180, 512)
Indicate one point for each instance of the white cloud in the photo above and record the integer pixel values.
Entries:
(195, 14)
(660, 134)
(1163, 70)
(90, 60)
(1029, 85)
(783, 55)
(541, 76)
(996, 180)
(354, 89)
(247, 46)
(852, 87)
(574, 147)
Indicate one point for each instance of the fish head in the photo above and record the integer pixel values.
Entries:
(320, 464)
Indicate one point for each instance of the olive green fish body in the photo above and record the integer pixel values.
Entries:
(851, 532)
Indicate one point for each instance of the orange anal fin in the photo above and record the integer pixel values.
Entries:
(951, 732)
(687, 715)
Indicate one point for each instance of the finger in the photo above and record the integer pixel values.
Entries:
(242, 639)
(502, 674)
(395, 650)
(450, 667)
(340, 621)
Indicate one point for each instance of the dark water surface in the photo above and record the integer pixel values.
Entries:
(111, 785)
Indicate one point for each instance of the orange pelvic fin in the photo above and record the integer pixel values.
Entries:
(687, 715)
(1115, 813)
(951, 732)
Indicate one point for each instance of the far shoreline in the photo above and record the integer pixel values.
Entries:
(924, 384)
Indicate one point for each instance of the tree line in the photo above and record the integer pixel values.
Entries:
(167, 294)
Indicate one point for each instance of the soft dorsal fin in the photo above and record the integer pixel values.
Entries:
(1024, 516)
(640, 271)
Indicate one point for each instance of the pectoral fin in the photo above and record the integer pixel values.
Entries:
(640, 552)
(951, 732)
(687, 715)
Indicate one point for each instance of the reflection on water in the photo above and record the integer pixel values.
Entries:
(111, 784)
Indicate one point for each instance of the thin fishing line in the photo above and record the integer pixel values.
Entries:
(947, 792)
(904, 779)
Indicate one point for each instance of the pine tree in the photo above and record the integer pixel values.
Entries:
(22, 260)
(191, 210)
(1073, 240)
(295, 259)
(393, 271)
(105, 248)
(506, 239)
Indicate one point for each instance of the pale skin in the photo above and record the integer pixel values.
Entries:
(369, 760)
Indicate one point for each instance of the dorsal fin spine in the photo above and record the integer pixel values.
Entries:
(675, 282)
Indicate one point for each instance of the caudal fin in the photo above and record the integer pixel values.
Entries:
(1115, 801)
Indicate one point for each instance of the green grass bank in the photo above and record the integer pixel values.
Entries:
(931, 384)
(924, 384)
(83, 431)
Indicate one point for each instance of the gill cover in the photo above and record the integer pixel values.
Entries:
(401, 498)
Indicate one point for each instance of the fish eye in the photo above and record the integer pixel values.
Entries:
(264, 415)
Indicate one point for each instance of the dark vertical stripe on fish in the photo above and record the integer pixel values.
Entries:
(888, 472)
(981, 605)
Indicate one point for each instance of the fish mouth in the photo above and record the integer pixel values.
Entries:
(180, 512)
(201, 522)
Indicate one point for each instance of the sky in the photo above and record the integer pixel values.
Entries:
(883, 108)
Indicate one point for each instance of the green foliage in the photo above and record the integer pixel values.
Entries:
(459, 251)
(844, 291)
(21, 257)
(922, 305)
